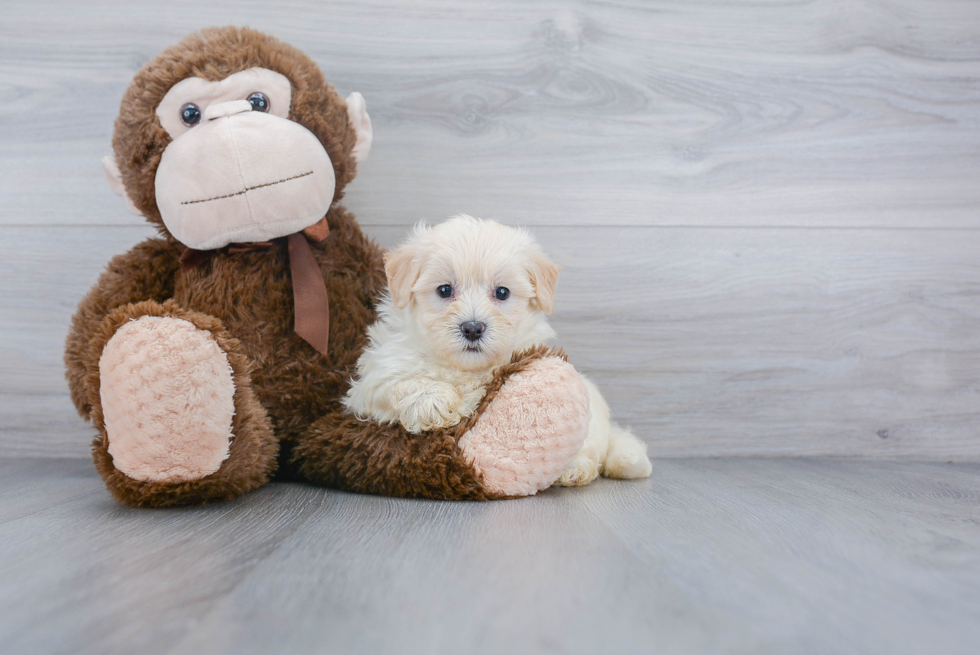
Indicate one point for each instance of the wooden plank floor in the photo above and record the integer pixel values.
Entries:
(707, 556)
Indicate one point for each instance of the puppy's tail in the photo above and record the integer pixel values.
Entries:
(627, 455)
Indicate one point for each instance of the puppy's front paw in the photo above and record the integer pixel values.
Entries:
(431, 407)
(469, 401)
(584, 469)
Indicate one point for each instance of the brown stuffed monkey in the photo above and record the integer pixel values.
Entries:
(214, 355)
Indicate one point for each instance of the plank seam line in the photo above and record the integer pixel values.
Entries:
(827, 228)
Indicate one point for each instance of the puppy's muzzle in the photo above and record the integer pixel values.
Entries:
(472, 330)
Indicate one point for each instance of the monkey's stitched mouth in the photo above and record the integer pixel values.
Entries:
(251, 188)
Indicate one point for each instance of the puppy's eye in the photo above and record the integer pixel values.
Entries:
(501, 293)
(445, 291)
(190, 114)
(258, 101)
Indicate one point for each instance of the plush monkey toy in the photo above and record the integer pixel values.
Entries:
(215, 354)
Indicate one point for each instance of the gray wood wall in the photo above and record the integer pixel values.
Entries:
(767, 211)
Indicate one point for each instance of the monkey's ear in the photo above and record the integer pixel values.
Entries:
(402, 268)
(116, 184)
(544, 275)
(357, 112)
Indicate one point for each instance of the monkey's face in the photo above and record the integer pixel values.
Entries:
(233, 136)
(237, 169)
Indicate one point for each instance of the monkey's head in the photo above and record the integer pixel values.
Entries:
(233, 136)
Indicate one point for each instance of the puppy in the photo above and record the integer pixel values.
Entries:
(463, 297)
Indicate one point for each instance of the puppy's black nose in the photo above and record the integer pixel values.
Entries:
(473, 330)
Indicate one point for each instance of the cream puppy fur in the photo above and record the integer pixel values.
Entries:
(463, 297)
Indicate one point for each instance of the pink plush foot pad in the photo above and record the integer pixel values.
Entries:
(168, 400)
(531, 431)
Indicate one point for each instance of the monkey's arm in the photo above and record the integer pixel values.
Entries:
(144, 273)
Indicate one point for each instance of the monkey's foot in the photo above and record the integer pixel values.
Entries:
(168, 400)
(172, 398)
(531, 429)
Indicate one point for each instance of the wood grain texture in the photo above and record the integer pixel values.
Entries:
(115, 579)
(621, 113)
(708, 556)
(767, 212)
(706, 342)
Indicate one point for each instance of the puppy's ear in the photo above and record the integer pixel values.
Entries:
(402, 267)
(544, 275)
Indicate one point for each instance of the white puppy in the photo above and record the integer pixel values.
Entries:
(463, 297)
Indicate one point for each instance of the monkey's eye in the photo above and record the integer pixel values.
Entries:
(190, 114)
(445, 291)
(259, 101)
(501, 293)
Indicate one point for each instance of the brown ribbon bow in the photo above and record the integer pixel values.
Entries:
(311, 307)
